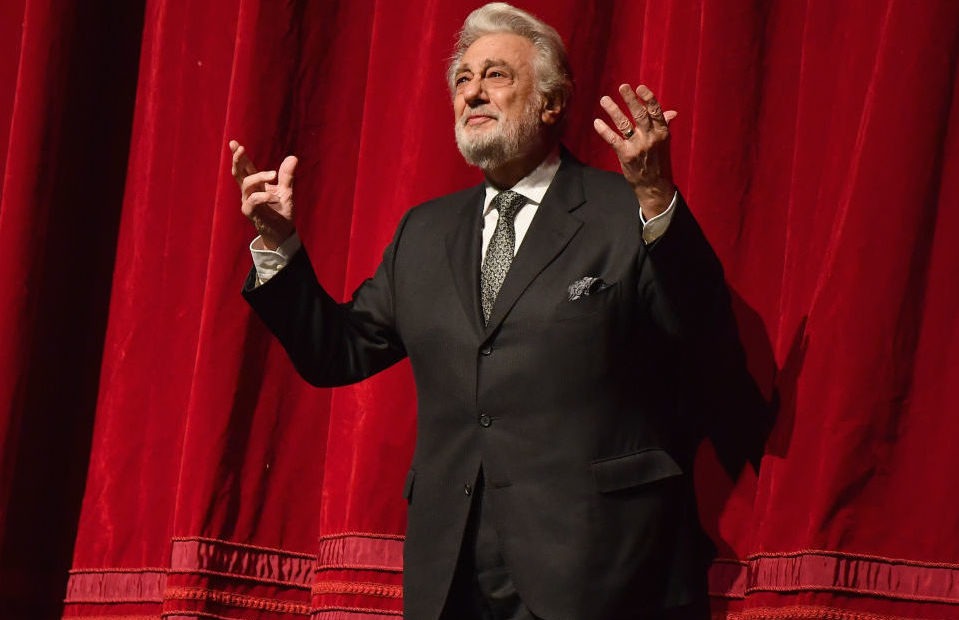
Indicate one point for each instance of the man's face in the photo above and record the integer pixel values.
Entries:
(499, 113)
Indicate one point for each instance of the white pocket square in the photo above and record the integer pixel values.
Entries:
(585, 286)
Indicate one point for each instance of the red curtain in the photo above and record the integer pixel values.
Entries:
(156, 440)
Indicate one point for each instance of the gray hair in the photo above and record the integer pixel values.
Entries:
(550, 66)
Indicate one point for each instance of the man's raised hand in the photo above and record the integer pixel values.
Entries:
(267, 196)
(641, 142)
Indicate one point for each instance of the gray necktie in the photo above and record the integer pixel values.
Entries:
(499, 253)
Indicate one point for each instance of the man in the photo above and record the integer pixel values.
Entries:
(555, 318)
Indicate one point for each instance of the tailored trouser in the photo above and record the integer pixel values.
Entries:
(482, 588)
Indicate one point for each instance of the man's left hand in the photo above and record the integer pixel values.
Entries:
(642, 145)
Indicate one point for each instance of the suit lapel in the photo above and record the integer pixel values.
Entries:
(551, 230)
(463, 246)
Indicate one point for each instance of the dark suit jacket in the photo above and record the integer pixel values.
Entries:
(585, 415)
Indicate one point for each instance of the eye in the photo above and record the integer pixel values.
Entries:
(497, 77)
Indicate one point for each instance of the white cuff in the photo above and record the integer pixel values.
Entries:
(269, 262)
(656, 227)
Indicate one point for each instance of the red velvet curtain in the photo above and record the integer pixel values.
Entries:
(157, 440)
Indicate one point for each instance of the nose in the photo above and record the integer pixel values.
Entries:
(473, 92)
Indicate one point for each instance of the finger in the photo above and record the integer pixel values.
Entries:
(636, 107)
(670, 115)
(254, 200)
(255, 180)
(613, 138)
(622, 123)
(286, 172)
(236, 150)
(652, 105)
(242, 166)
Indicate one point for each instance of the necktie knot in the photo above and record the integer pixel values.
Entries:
(508, 204)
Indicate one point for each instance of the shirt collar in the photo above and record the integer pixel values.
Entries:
(533, 186)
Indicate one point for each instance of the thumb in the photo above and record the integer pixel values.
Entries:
(670, 115)
(285, 175)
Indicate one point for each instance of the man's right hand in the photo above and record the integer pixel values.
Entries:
(267, 196)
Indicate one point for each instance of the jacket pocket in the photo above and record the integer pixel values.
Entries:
(632, 470)
(408, 486)
(586, 305)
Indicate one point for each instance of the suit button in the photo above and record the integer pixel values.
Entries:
(486, 350)
(468, 489)
(485, 421)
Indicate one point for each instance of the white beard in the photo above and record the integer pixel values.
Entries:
(507, 141)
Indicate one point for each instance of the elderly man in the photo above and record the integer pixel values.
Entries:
(554, 317)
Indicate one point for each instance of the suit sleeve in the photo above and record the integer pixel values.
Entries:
(682, 284)
(331, 344)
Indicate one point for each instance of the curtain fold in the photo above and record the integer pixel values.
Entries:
(155, 439)
(66, 107)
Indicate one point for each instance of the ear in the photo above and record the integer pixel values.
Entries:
(552, 110)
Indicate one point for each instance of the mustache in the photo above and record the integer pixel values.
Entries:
(481, 111)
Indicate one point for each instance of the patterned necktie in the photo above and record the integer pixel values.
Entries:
(499, 252)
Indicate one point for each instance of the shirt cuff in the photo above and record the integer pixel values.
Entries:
(656, 227)
(269, 262)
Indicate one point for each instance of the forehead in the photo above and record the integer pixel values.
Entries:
(503, 46)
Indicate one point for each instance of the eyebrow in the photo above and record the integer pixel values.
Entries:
(489, 62)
